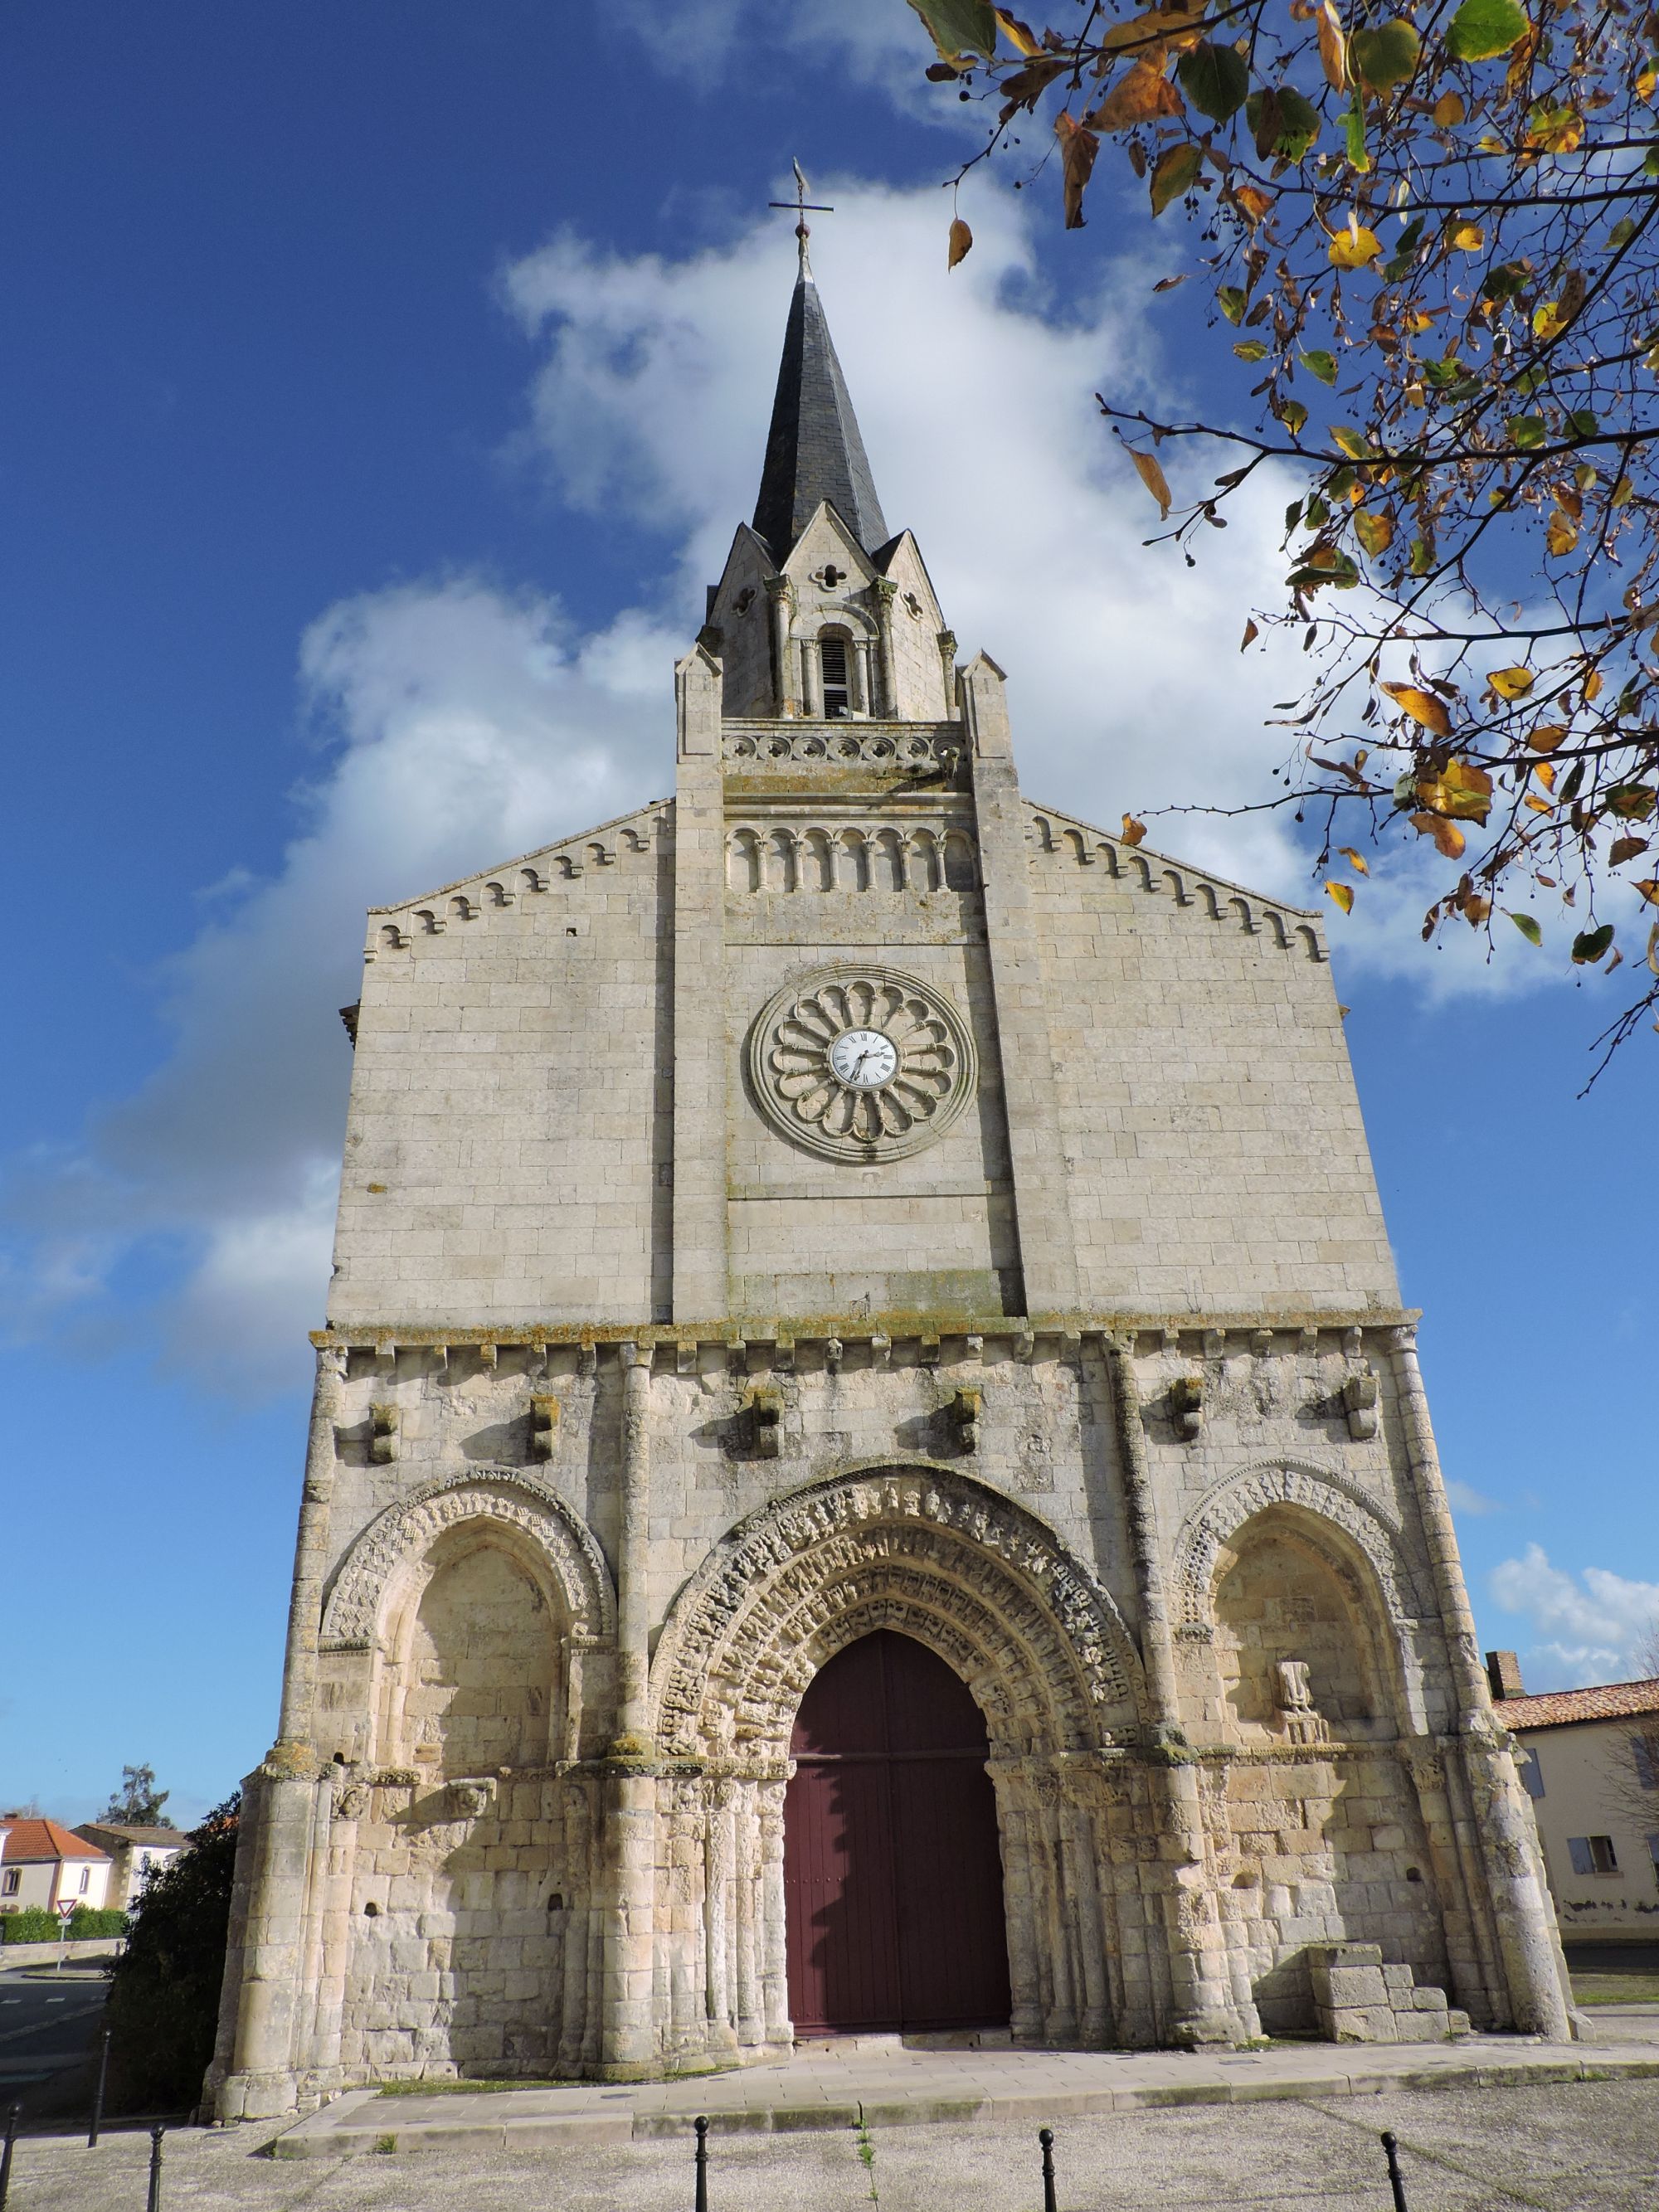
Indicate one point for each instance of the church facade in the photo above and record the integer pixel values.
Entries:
(867, 1467)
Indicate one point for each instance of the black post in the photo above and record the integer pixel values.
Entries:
(1046, 2138)
(156, 2134)
(1390, 2151)
(98, 2095)
(700, 2202)
(13, 2116)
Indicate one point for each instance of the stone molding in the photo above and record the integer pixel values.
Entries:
(490, 1495)
(915, 1548)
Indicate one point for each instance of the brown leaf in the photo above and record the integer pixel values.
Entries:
(1133, 831)
(1625, 848)
(1027, 86)
(1077, 148)
(1142, 95)
(962, 240)
(1333, 48)
(1152, 477)
(1251, 633)
(1546, 736)
(1650, 892)
(1448, 838)
(1179, 26)
(1423, 707)
(1253, 202)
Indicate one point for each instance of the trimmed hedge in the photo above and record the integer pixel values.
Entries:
(35, 1924)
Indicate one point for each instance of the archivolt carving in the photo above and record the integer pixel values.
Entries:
(931, 1554)
(501, 1495)
(1218, 1517)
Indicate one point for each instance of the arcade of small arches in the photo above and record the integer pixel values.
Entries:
(850, 859)
(473, 1627)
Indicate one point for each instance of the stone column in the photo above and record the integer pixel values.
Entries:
(780, 606)
(858, 676)
(633, 1739)
(1204, 2009)
(774, 1935)
(947, 655)
(278, 1811)
(1533, 1967)
(1047, 1252)
(311, 1558)
(811, 679)
(699, 1259)
(886, 706)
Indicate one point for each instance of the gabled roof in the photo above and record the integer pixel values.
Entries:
(1606, 1701)
(813, 449)
(31, 1841)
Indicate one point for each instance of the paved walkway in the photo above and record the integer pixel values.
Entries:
(876, 2079)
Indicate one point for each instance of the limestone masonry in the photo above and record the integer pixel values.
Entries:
(846, 1196)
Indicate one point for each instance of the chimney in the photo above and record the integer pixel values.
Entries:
(1504, 1675)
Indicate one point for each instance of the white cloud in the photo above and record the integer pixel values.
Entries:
(465, 722)
(1596, 1627)
(1466, 1498)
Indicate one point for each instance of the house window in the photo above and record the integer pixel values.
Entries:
(14, 1881)
(86, 1880)
(832, 653)
(1593, 1855)
(1532, 1774)
(1645, 1750)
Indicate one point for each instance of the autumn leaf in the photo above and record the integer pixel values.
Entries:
(962, 240)
(1027, 86)
(1448, 109)
(1375, 532)
(1561, 536)
(1460, 789)
(1424, 708)
(1141, 94)
(1355, 861)
(1511, 683)
(1631, 802)
(1077, 149)
(1385, 56)
(1483, 29)
(1650, 892)
(959, 27)
(1282, 121)
(1253, 202)
(1251, 633)
(1625, 848)
(1333, 47)
(1343, 894)
(1133, 831)
(1448, 838)
(1152, 477)
(1320, 364)
(1356, 247)
(1545, 772)
(1589, 944)
(1172, 26)
(1528, 928)
(1175, 173)
(1546, 736)
(1020, 35)
(1215, 78)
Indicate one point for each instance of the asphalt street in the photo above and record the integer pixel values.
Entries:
(48, 2022)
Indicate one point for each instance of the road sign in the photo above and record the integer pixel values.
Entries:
(66, 1910)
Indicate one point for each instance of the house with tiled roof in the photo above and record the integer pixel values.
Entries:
(1590, 1760)
(135, 1852)
(45, 1864)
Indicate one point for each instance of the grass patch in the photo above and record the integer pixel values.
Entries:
(1616, 1989)
(493, 2087)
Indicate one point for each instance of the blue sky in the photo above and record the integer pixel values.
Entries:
(383, 384)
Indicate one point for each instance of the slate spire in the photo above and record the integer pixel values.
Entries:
(813, 449)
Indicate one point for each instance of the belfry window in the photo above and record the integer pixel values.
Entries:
(832, 653)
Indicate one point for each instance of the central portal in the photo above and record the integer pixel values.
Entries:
(892, 1873)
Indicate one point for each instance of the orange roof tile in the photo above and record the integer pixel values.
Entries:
(1606, 1701)
(30, 1841)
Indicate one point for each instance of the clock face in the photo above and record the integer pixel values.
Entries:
(861, 1064)
(864, 1058)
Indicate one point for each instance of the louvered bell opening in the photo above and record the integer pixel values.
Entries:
(833, 655)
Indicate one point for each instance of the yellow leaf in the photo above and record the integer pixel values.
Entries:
(1448, 110)
(1545, 771)
(1562, 535)
(1343, 894)
(1350, 442)
(1416, 321)
(1356, 247)
(1546, 736)
(1511, 683)
(1538, 806)
(1592, 685)
(1254, 201)
(1468, 237)
(1355, 861)
(1460, 789)
(1375, 532)
(1133, 831)
(962, 240)
(1548, 321)
(1141, 94)
(1424, 708)
(1446, 835)
(1020, 35)
(1650, 892)
(1152, 477)
(1333, 48)
(1180, 27)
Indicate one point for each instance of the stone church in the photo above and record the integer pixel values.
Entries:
(868, 1470)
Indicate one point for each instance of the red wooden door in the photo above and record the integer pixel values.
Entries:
(892, 1875)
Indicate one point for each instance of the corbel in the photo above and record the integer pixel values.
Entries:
(385, 1361)
(1353, 1342)
(1261, 1342)
(544, 1424)
(975, 1351)
(1308, 1343)
(486, 1358)
(1024, 1344)
(384, 1422)
(588, 1358)
(961, 1411)
(783, 1355)
(881, 1349)
(1215, 1344)
(834, 1352)
(737, 1355)
(763, 1404)
(685, 1355)
(1360, 1401)
(1186, 1405)
(927, 1355)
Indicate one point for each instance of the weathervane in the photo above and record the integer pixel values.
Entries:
(802, 207)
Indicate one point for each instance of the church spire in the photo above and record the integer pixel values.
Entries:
(813, 449)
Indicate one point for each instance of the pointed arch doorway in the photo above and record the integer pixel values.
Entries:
(892, 1869)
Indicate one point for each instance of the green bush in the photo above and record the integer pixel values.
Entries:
(164, 1994)
(35, 1924)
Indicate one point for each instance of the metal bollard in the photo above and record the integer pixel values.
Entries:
(156, 2134)
(700, 2201)
(1046, 2138)
(98, 2094)
(13, 2116)
(1390, 2151)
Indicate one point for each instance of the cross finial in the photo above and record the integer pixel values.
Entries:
(802, 205)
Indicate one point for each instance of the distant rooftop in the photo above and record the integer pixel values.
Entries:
(1606, 1701)
(125, 1832)
(31, 1841)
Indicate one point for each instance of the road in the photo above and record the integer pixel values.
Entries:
(47, 2022)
